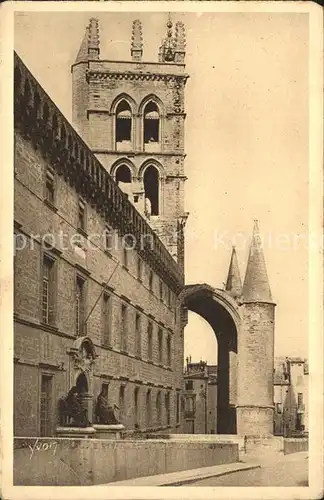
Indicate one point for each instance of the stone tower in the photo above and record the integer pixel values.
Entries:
(256, 346)
(131, 114)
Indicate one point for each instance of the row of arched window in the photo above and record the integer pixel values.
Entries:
(150, 125)
(151, 181)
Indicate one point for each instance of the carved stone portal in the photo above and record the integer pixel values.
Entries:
(83, 357)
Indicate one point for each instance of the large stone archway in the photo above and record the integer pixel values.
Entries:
(220, 310)
(243, 319)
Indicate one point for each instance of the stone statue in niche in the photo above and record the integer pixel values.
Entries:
(148, 208)
(104, 411)
(71, 410)
(83, 355)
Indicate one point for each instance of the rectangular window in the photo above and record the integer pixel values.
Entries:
(148, 408)
(158, 409)
(79, 307)
(108, 238)
(189, 385)
(167, 407)
(150, 341)
(169, 350)
(122, 403)
(124, 327)
(178, 408)
(48, 302)
(49, 186)
(300, 400)
(138, 334)
(46, 405)
(106, 319)
(125, 256)
(81, 216)
(160, 345)
(136, 392)
(169, 297)
(139, 267)
(161, 290)
(151, 280)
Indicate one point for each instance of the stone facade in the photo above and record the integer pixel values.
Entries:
(87, 309)
(200, 398)
(99, 286)
(242, 318)
(290, 390)
(291, 397)
(114, 105)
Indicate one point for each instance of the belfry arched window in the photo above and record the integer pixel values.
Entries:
(152, 189)
(123, 174)
(151, 123)
(123, 177)
(123, 131)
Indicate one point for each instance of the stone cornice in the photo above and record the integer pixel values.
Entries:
(128, 154)
(134, 76)
(39, 120)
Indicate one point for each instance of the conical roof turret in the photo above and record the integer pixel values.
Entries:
(256, 286)
(234, 284)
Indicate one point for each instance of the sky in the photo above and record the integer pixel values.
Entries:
(246, 141)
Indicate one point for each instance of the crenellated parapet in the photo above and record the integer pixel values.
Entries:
(39, 120)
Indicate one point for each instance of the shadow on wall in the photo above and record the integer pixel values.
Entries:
(86, 462)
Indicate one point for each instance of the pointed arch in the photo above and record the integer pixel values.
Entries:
(152, 174)
(123, 97)
(155, 99)
(151, 113)
(120, 162)
(123, 112)
(152, 189)
(155, 163)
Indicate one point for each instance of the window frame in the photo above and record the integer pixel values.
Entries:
(144, 120)
(50, 423)
(158, 407)
(83, 227)
(50, 175)
(123, 327)
(139, 268)
(106, 319)
(138, 336)
(151, 279)
(148, 401)
(80, 322)
(160, 345)
(52, 289)
(116, 119)
(150, 341)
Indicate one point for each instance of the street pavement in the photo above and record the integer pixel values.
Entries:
(289, 470)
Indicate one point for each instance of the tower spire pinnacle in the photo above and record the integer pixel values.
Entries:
(234, 284)
(167, 49)
(180, 42)
(137, 41)
(256, 286)
(89, 48)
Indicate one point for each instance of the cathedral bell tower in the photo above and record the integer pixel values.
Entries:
(131, 114)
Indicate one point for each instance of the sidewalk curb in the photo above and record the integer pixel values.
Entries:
(207, 476)
(193, 475)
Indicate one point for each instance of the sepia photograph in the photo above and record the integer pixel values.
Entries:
(167, 213)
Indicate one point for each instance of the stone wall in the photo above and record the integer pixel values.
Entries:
(294, 445)
(64, 462)
(42, 349)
